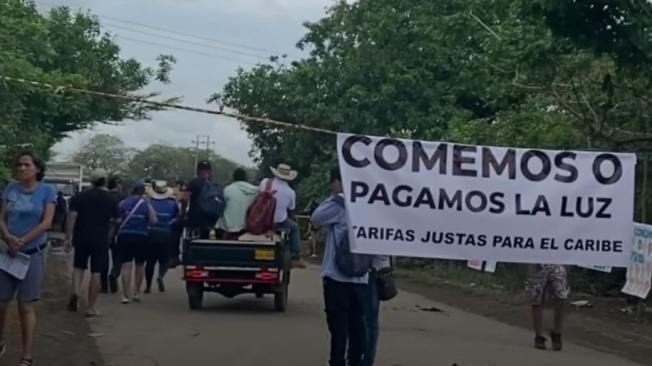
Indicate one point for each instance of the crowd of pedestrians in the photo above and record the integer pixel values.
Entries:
(128, 237)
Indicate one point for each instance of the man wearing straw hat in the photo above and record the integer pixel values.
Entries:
(161, 235)
(285, 206)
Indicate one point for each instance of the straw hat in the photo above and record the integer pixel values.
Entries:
(285, 172)
(161, 185)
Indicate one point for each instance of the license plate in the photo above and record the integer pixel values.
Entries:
(264, 255)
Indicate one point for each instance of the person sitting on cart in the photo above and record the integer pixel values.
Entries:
(285, 206)
(238, 196)
(199, 224)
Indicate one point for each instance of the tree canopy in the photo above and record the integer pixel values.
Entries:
(520, 73)
(63, 48)
(157, 161)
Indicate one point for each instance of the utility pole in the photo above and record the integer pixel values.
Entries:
(209, 143)
(202, 140)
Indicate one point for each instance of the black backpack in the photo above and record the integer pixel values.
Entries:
(348, 263)
(211, 202)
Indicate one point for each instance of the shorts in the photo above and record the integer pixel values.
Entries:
(546, 282)
(133, 247)
(27, 289)
(97, 253)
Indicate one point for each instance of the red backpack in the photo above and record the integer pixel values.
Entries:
(260, 214)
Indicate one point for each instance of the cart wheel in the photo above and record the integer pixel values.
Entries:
(195, 295)
(281, 297)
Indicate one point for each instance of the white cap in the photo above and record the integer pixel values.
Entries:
(98, 174)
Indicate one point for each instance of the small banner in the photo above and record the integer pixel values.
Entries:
(444, 200)
(482, 266)
(639, 271)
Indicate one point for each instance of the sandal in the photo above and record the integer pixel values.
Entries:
(540, 342)
(26, 362)
(92, 314)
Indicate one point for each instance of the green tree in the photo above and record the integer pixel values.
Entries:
(104, 152)
(173, 163)
(483, 72)
(63, 48)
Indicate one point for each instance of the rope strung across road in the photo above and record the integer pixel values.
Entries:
(133, 98)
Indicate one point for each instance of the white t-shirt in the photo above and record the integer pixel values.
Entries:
(285, 198)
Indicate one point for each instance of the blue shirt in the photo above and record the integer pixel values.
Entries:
(25, 210)
(167, 212)
(333, 216)
(138, 223)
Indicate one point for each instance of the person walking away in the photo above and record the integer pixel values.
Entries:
(137, 215)
(200, 190)
(547, 283)
(238, 197)
(93, 214)
(345, 297)
(60, 212)
(110, 278)
(177, 227)
(285, 206)
(26, 215)
(161, 234)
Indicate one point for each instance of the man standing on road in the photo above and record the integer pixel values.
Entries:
(346, 298)
(90, 227)
(286, 200)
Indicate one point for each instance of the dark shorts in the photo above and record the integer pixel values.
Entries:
(96, 253)
(133, 247)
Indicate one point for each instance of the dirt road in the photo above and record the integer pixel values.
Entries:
(246, 331)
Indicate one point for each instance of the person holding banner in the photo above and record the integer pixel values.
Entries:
(547, 283)
(346, 297)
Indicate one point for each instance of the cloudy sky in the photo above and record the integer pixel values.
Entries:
(230, 34)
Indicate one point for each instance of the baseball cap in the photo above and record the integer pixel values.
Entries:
(204, 165)
(98, 174)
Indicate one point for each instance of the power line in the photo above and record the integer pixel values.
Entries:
(185, 41)
(264, 51)
(212, 55)
(234, 44)
(136, 99)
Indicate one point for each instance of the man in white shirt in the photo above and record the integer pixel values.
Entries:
(285, 206)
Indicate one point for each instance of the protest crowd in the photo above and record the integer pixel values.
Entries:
(123, 239)
(128, 242)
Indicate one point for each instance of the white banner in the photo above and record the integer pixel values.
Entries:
(639, 271)
(444, 200)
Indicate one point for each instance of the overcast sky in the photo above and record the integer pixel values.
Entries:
(245, 26)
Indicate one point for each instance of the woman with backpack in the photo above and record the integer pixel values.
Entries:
(137, 214)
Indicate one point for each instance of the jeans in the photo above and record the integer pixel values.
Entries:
(373, 328)
(346, 305)
(294, 235)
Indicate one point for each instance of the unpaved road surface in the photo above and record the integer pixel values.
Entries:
(246, 331)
